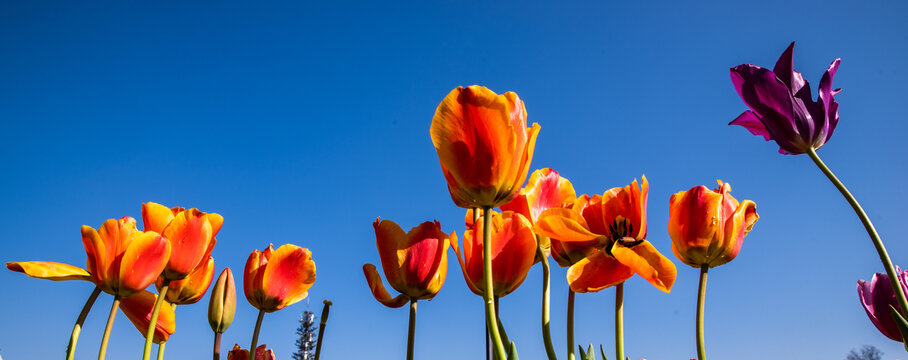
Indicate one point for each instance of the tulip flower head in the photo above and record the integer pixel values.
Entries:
(138, 309)
(780, 105)
(123, 260)
(261, 353)
(222, 305)
(615, 223)
(274, 279)
(483, 145)
(876, 297)
(415, 263)
(513, 251)
(544, 190)
(191, 289)
(191, 234)
(707, 227)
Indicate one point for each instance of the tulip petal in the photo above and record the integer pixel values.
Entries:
(647, 262)
(138, 309)
(513, 251)
(49, 270)
(749, 120)
(564, 225)
(827, 101)
(155, 217)
(253, 275)
(596, 272)
(142, 262)
(189, 234)
(468, 244)
(96, 254)
(426, 248)
(378, 289)
(192, 288)
(288, 276)
(391, 240)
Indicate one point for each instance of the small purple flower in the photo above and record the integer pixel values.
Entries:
(781, 107)
(876, 296)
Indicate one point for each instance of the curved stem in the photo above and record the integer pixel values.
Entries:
(701, 300)
(874, 236)
(217, 346)
(497, 346)
(110, 319)
(570, 325)
(504, 334)
(161, 350)
(149, 334)
(619, 321)
(255, 334)
(546, 282)
(412, 330)
(77, 328)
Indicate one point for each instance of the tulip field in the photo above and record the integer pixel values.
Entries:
(454, 181)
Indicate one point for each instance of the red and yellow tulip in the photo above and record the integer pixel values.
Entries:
(261, 353)
(191, 289)
(513, 250)
(123, 260)
(616, 224)
(707, 227)
(138, 309)
(545, 190)
(483, 145)
(415, 263)
(274, 279)
(191, 234)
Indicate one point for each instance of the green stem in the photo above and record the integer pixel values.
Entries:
(411, 333)
(570, 325)
(619, 321)
(321, 327)
(77, 328)
(488, 339)
(874, 236)
(701, 300)
(217, 346)
(497, 346)
(504, 334)
(110, 319)
(149, 334)
(255, 334)
(161, 350)
(546, 282)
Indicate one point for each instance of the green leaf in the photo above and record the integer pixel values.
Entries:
(582, 353)
(512, 352)
(602, 351)
(901, 323)
(589, 354)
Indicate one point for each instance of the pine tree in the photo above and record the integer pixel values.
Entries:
(307, 331)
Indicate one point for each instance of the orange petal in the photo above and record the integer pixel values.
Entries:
(695, 224)
(596, 272)
(513, 251)
(49, 270)
(191, 289)
(97, 259)
(564, 225)
(189, 234)
(426, 246)
(736, 227)
(142, 262)
(390, 240)
(647, 262)
(289, 274)
(628, 202)
(138, 309)
(253, 275)
(155, 217)
(441, 273)
(216, 221)
(378, 290)
(468, 244)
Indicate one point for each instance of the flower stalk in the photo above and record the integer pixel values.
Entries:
(77, 328)
(701, 300)
(497, 346)
(411, 332)
(149, 335)
(546, 297)
(110, 319)
(255, 334)
(570, 325)
(619, 321)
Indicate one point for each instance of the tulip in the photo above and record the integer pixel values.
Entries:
(513, 248)
(138, 309)
(122, 260)
(483, 145)
(615, 225)
(781, 107)
(191, 289)
(222, 307)
(261, 353)
(707, 227)
(877, 296)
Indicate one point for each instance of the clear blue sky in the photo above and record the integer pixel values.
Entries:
(302, 122)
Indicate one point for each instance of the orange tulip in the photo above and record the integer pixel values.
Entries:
(616, 222)
(707, 227)
(191, 289)
(483, 145)
(415, 263)
(138, 309)
(191, 233)
(513, 250)
(545, 189)
(123, 260)
(239, 353)
(274, 279)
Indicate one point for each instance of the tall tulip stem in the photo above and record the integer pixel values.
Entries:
(504, 334)
(570, 325)
(546, 283)
(619, 321)
(161, 350)
(701, 300)
(488, 339)
(255, 334)
(216, 354)
(411, 333)
(323, 322)
(497, 345)
(77, 328)
(874, 236)
(149, 334)
(110, 319)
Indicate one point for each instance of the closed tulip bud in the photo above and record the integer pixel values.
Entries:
(707, 227)
(222, 306)
(261, 353)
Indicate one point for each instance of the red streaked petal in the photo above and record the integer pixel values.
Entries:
(138, 309)
(289, 274)
(142, 262)
(468, 244)
(189, 234)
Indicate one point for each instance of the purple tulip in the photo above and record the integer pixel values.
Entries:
(876, 296)
(781, 107)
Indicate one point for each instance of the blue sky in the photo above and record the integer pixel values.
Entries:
(302, 122)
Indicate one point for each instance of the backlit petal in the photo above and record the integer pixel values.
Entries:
(49, 270)
(189, 234)
(378, 290)
(155, 217)
(596, 272)
(289, 274)
(564, 225)
(142, 262)
(647, 262)
(391, 242)
(138, 309)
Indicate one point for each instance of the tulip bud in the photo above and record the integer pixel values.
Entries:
(222, 307)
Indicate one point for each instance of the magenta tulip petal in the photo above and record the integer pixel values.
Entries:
(876, 296)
